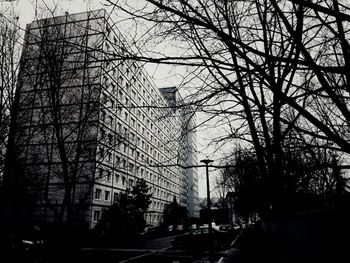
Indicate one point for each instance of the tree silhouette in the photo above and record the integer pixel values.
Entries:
(124, 220)
(311, 180)
(263, 70)
(174, 215)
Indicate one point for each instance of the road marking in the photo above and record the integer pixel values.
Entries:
(235, 240)
(231, 245)
(144, 255)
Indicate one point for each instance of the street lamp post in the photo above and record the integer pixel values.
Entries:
(207, 162)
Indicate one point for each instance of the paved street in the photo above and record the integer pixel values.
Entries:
(156, 250)
(249, 247)
(246, 247)
(139, 250)
(157, 243)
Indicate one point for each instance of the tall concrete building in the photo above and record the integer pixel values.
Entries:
(89, 125)
(187, 157)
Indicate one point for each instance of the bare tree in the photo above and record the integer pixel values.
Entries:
(262, 68)
(53, 144)
(9, 61)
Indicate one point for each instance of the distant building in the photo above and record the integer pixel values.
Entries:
(89, 126)
(189, 193)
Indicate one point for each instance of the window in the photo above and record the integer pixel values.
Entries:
(103, 98)
(97, 215)
(102, 153)
(108, 176)
(125, 148)
(123, 180)
(107, 194)
(98, 194)
(115, 197)
(117, 178)
(110, 139)
(103, 116)
(112, 103)
(125, 116)
(100, 172)
(103, 133)
(109, 154)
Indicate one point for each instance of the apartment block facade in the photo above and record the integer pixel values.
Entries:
(89, 125)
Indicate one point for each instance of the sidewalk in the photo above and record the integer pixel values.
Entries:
(249, 247)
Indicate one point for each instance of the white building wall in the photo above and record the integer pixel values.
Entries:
(134, 138)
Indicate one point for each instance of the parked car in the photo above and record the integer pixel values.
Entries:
(179, 227)
(27, 238)
(176, 228)
(236, 227)
(193, 227)
(226, 228)
(148, 230)
(200, 239)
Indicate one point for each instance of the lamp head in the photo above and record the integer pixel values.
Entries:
(207, 161)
